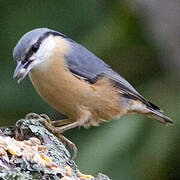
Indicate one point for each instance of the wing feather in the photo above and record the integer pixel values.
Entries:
(84, 64)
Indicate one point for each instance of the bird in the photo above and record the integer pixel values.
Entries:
(76, 82)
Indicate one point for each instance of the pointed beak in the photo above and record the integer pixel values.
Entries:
(18, 70)
(21, 70)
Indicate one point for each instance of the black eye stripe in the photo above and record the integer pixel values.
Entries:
(36, 45)
(31, 51)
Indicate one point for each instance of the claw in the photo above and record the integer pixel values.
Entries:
(48, 125)
(46, 117)
(32, 115)
(70, 144)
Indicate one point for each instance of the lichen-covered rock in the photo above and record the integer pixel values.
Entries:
(29, 151)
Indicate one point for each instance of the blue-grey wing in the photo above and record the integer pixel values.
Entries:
(83, 63)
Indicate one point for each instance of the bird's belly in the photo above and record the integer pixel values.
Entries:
(76, 98)
(66, 95)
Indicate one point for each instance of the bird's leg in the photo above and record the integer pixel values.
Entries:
(59, 130)
(58, 123)
(67, 127)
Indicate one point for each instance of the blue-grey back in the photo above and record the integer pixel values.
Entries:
(85, 63)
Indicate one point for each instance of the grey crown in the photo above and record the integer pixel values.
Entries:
(27, 41)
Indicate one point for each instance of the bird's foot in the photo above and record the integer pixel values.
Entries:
(32, 115)
(70, 144)
(63, 125)
(38, 116)
(58, 132)
(46, 117)
(47, 124)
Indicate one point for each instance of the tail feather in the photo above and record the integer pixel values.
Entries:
(148, 109)
(158, 115)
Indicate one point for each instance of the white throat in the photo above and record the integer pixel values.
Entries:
(44, 52)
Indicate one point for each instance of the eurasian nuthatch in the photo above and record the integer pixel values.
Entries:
(76, 82)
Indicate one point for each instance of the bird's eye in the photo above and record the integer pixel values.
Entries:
(35, 47)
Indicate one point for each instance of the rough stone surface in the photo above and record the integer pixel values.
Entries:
(15, 167)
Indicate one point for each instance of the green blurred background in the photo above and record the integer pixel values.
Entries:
(127, 36)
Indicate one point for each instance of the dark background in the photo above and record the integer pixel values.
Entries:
(141, 41)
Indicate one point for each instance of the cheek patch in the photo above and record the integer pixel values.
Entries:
(45, 49)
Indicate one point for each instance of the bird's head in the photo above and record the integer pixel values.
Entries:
(33, 48)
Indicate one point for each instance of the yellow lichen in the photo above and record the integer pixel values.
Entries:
(81, 175)
(11, 151)
(68, 170)
(46, 158)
